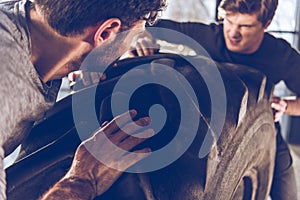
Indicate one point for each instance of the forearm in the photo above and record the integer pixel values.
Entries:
(87, 176)
(71, 189)
(293, 107)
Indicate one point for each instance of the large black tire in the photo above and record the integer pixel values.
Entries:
(239, 165)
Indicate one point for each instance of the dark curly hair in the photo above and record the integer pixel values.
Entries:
(264, 8)
(69, 17)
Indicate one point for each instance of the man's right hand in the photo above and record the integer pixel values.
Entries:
(279, 105)
(96, 177)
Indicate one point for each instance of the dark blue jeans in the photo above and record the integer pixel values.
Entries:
(284, 181)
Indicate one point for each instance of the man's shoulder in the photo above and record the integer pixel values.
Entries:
(271, 41)
(13, 26)
(278, 50)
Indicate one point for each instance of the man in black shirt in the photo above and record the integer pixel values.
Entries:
(242, 39)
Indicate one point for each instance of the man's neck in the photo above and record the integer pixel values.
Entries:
(42, 39)
(50, 51)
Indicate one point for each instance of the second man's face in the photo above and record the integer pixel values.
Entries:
(243, 33)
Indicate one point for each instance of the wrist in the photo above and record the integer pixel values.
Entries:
(81, 188)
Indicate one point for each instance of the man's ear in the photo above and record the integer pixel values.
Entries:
(106, 30)
(267, 24)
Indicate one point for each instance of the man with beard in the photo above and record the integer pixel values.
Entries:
(42, 41)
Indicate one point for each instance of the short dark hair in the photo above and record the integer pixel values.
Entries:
(69, 17)
(264, 8)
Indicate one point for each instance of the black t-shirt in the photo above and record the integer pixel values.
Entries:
(275, 57)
